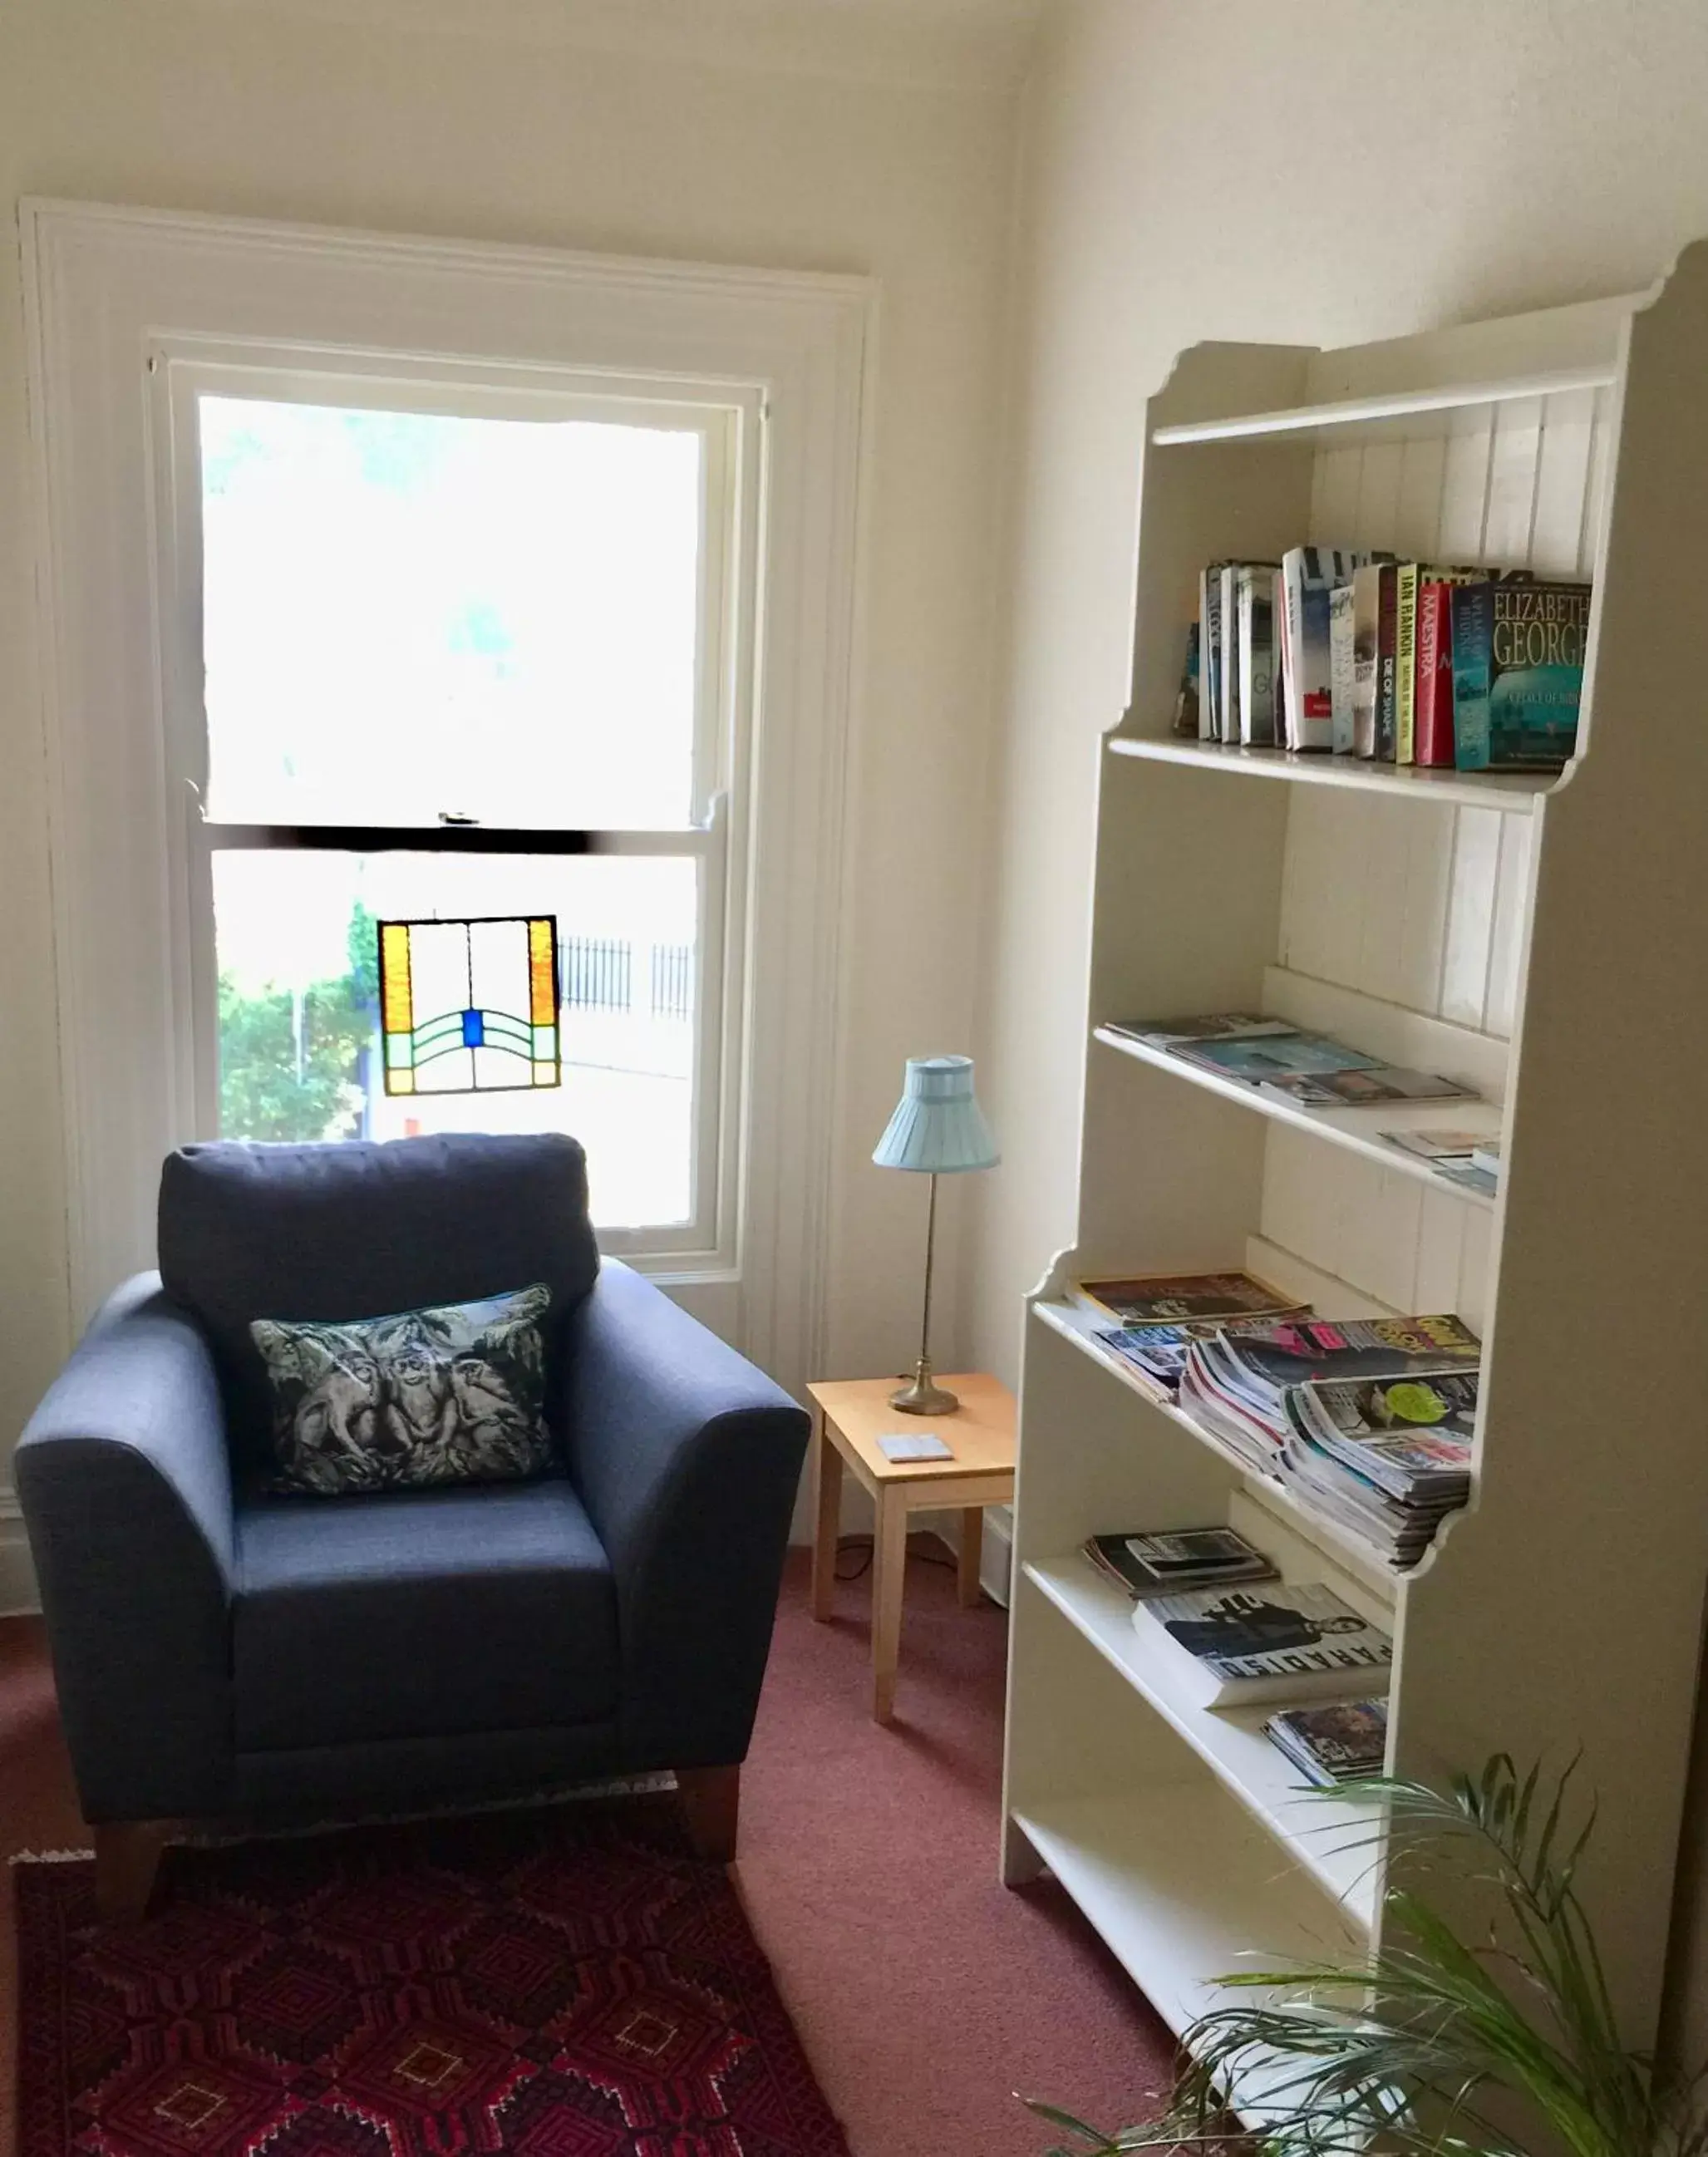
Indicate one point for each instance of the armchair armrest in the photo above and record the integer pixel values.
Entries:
(125, 1488)
(688, 1459)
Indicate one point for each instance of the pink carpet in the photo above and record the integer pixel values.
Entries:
(925, 1992)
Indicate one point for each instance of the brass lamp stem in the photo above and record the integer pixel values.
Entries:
(922, 1396)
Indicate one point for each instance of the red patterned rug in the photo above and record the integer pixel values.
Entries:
(568, 1983)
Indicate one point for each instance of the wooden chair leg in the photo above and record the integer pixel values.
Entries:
(127, 1855)
(712, 1803)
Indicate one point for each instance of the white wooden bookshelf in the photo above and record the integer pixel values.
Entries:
(1359, 1129)
(1537, 937)
(1516, 792)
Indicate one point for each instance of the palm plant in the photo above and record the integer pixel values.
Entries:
(1506, 2046)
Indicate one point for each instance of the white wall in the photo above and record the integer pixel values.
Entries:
(1239, 170)
(873, 150)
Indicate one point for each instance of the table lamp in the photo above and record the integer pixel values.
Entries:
(938, 1130)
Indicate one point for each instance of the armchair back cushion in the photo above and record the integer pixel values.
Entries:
(363, 1230)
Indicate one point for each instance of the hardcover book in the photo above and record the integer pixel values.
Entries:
(1433, 710)
(1238, 1644)
(1228, 692)
(1186, 707)
(1309, 574)
(1342, 669)
(1386, 664)
(1518, 648)
(1366, 612)
(1209, 653)
(1410, 579)
(1254, 594)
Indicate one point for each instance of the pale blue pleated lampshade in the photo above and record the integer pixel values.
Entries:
(938, 1127)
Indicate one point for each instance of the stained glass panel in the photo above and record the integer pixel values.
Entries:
(301, 1051)
(469, 1006)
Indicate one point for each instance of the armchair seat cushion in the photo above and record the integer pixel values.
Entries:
(420, 1614)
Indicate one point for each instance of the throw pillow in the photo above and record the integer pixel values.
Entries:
(449, 1395)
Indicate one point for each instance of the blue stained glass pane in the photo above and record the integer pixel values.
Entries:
(474, 1029)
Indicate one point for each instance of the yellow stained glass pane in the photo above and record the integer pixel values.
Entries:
(399, 1082)
(396, 1003)
(545, 1074)
(541, 985)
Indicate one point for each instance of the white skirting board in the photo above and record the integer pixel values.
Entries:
(996, 1565)
(18, 1584)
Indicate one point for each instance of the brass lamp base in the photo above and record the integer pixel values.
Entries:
(923, 1396)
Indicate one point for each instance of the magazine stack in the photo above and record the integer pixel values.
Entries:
(1384, 1457)
(1368, 1421)
(1344, 1742)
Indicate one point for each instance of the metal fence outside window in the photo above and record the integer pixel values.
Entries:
(672, 981)
(595, 973)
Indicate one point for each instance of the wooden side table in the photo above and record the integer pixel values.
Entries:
(852, 1415)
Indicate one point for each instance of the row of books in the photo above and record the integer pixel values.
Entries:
(1353, 652)
(1232, 1643)
(1282, 1060)
(1367, 1422)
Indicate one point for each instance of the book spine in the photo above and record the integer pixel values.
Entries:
(1473, 615)
(1404, 662)
(1341, 670)
(1257, 688)
(1386, 622)
(1228, 704)
(1366, 589)
(1433, 716)
(1537, 636)
(1209, 653)
(1316, 713)
(1293, 593)
(1277, 617)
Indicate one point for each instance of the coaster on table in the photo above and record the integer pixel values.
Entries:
(904, 1445)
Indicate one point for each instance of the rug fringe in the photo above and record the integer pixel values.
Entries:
(620, 1786)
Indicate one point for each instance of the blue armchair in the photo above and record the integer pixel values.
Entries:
(221, 1654)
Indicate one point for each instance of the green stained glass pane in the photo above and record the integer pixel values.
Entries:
(399, 1051)
(545, 1043)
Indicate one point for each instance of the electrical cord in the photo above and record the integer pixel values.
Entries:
(863, 1545)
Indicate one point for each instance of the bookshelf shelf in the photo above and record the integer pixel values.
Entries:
(1359, 1129)
(1174, 1879)
(1409, 413)
(1323, 1835)
(1514, 793)
(1364, 1563)
(1518, 932)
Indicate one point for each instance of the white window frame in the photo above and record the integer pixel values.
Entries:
(107, 290)
(729, 422)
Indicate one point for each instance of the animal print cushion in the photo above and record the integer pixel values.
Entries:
(449, 1395)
